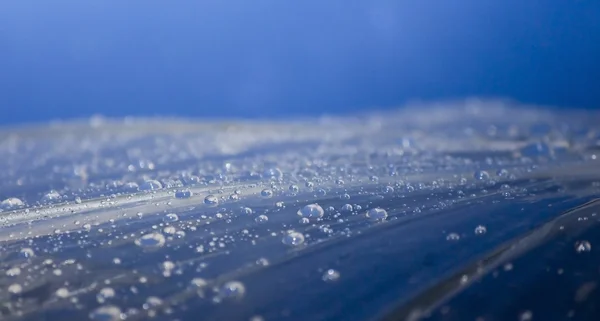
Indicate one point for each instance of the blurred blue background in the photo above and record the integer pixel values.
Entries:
(268, 58)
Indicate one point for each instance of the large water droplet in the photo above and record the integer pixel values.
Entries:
(583, 246)
(481, 175)
(150, 185)
(107, 313)
(170, 218)
(311, 211)
(183, 194)
(376, 214)
(151, 241)
(11, 203)
(211, 200)
(293, 238)
(266, 193)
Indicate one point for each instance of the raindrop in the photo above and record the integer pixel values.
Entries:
(170, 218)
(347, 208)
(232, 289)
(11, 203)
(211, 200)
(105, 294)
(294, 189)
(481, 175)
(183, 194)
(583, 246)
(26, 253)
(150, 185)
(331, 275)
(151, 241)
(15, 288)
(311, 211)
(51, 196)
(107, 313)
(293, 238)
(480, 230)
(266, 193)
(376, 214)
(261, 219)
(453, 237)
(15, 271)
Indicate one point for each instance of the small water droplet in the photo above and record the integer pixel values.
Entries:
(453, 237)
(480, 230)
(232, 289)
(583, 246)
(331, 275)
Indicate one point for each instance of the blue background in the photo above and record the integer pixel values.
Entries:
(259, 58)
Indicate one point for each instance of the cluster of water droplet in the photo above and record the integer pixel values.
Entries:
(163, 203)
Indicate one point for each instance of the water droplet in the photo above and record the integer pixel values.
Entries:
(151, 241)
(170, 218)
(15, 288)
(167, 268)
(211, 200)
(107, 313)
(311, 211)
(152, 302)
(247, 211)
(273, 173)
(453, 237)
(376, 214)
(11, 203)
(331, 275)
(183, 194)
(198, 283)
(15, 271)
(583, 246)
(50, 197)
(294, 189)
(105, 294)
(293, 238)
(502, 172)
(150, 185)
(261, 219)
(232, 289)
(62, 293)
(266, 193)
(26, 253)
(481, 175)
(321, 192)
(480, 230)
